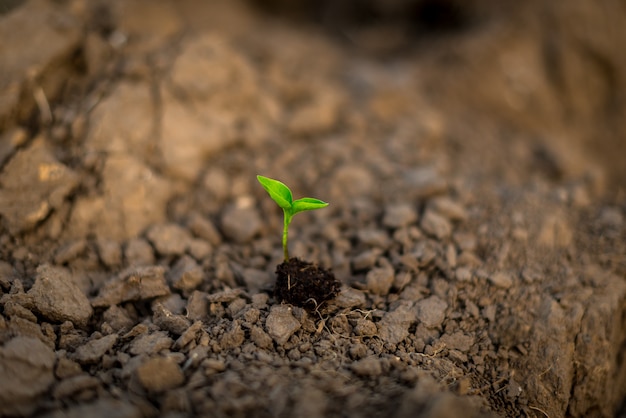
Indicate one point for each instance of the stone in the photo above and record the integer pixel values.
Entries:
(186, 274)
(110, 252)
(199, 249)
(146, 26)
(366, 259)
(189, 137)
(260, 337)
(160, 374)
(167, 321)
(57, 298)
(256, 280)
(436, 225)
(25, 328)
(424, 182)
(377, 238)
(463, 274)
(48, 181)
(151, 343)
(448, 208)
(458, 341)
(188, 335)
(75, 384)
(26, 367)
(610, 218)
(393, 328)
(100, 408)
(197, 306)
(70, 251)
(350, 298)
(67, 368)
(240, 224)
(368, 367)
(310, 402)
(501, 279)
(10, 140)
(133, 284)
(122, 122)
(227, 295)
(351, 181)
(320, 115)
(281, 324)
(93, 350)
(233, 338)
(138, 252)
(431, 311)
(399, 215)
(380, 280)
(204, 228)
(14, 309)
(55, 35)
(133, 197)
(169, 239)
(555, 232)
(365, 327)
(117, 318)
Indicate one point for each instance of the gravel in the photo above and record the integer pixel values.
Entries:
(160, 374)
(431, 311)
(56, 297)
(26, 366)
(281, 324)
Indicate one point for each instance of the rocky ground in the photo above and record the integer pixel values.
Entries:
(472, 157)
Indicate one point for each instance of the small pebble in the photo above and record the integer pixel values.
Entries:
(241, 224)
(169, 239)
(400, 215)
(368, 367)
(393, 328)
(380, 280)
(160, 374)
(93, 351)
(281, 324)
(448, 208)
(463, 274)
(436, 225)
(501, 279)
(431, 311)
(138, 252)
(110, 252)
(366, 259)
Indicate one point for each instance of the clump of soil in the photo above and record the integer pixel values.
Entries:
(304, 284)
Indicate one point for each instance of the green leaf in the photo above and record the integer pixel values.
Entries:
(277, 191)
(307, 203)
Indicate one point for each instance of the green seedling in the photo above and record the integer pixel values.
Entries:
(283, 197)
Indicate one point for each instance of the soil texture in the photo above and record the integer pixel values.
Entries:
(304, 284)
(472, 154)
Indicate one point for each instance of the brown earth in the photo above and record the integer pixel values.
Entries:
(473, 158)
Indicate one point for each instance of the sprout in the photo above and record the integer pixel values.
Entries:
(281, 194)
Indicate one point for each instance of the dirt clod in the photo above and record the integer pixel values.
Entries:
(56, 297)
(26, 368)
(159, 374)
(304, 284)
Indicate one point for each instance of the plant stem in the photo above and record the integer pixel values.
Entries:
(287, 221)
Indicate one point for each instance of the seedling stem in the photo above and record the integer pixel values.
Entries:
(281, 194)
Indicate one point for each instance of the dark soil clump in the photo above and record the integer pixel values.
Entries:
(304, 284)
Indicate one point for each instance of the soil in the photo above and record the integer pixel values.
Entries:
(304, 284)
(472, 155)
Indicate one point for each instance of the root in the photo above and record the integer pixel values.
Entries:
(534, 408)
(42, 104)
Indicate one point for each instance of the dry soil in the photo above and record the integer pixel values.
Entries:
(472, 156)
